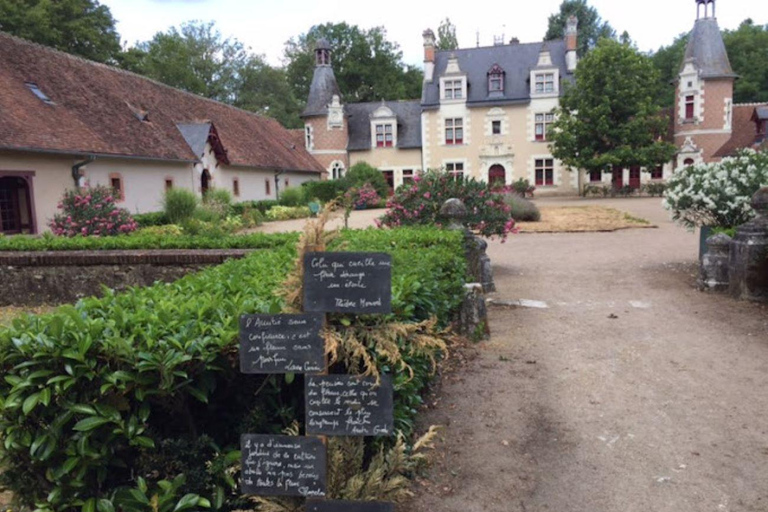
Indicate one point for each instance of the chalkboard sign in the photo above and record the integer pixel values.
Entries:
(281, 344)
(283, 465)
(344, 405)
(349, 506)
(348, 282)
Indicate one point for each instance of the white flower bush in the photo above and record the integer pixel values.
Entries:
(717, 194)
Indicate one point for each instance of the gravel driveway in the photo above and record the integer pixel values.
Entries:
(630, 392)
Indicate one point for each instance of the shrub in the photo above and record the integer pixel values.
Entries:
(217, 205)
(654, 189)
(717, 194)
(523, 210)
(288, 212)
(179, 204)
(166, 230)
(363, 197)
(324, 191)
(145, 220)
(106, 403)
(261, 206)
(523, 187)
(292, 196)
(362, 173)
(420, 204)
(91, 211)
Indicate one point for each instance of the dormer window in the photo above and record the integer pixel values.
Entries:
(453, 89)
(384, 135)
(496, 79)
(689, 107)
(545, 83)
(34, 89)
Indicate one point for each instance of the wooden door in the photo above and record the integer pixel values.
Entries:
(618, 178)
(497, 176)
(634, 177)
(390, 177)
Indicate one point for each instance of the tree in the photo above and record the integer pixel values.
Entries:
(591, 26)
(667, 61)
(367, 66)
(610, 119)
(264, 89)
(748, 51)
(446, 36)
(80, 27)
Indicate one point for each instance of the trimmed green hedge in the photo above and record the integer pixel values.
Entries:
(107, 402)
(145, 241)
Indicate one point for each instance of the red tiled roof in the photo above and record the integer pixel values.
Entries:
(95, 107)
(744, 130)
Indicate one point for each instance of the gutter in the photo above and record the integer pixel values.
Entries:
(76, 169)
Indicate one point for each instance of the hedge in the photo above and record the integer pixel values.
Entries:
(140, 240)
(108, 402)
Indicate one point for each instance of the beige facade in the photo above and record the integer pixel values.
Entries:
(399, 162)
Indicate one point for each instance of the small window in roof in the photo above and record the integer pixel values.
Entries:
(37, 92)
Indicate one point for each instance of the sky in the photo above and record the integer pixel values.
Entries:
(265, 25)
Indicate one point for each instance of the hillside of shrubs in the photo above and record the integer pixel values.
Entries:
(135, 402)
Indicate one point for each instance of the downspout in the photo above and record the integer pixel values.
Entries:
(277, 184)
(76, 169)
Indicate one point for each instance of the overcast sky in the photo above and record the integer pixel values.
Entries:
(265, 25)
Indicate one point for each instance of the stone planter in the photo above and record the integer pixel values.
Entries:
(704, 233)
(748, 261)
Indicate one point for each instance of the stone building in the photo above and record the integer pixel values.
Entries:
(67, 121)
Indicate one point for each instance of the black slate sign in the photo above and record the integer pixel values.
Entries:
(348, 282)
(349, 506)
(283, 465)
(281, 344)
(345, 405)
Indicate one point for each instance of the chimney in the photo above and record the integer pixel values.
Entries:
(429, 54)
(514, 40)
(571, 43)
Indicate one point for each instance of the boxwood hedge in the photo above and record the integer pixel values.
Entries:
(134, 395)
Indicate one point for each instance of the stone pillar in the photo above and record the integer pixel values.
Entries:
(479, 264)
(473, 316)
(713, 270)
(748, 261)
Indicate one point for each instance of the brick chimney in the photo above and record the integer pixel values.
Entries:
(429, 54)
(571, 43)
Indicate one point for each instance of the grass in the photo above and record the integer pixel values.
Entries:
(576, 219)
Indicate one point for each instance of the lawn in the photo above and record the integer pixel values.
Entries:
(575, 219)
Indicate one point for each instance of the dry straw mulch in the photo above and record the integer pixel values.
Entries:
(578, 219)
(8, 313)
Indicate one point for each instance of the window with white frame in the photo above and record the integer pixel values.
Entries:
(453, 89)
(542, 125)
(454, 131)
(545, 82)
(337, 170)
(385, 135)
(545, 171)
(496, 127)
(407, 176)
(308, 136)
(455, 169)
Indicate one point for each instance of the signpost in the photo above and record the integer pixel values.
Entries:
(283, 465)
(344, 405)
(281, 344)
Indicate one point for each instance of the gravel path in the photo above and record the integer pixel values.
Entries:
(630, 392)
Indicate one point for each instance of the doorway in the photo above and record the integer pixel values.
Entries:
(390, 177)
(205, 182)
(634, 177)
(618, 178)
(497, 176)
(15, 206)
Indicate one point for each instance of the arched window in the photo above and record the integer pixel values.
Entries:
(495, 79)
(337, 170)
(688, 161)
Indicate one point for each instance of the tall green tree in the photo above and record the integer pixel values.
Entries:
(446, 36)
(667, 61)
(368, 67)
(592, 28)
(81, 27)
(610, 118)
(265, 90)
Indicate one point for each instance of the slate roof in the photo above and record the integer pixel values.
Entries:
(707, 49)
(321, 91)
(94, 111)
(196, 136)
(408, 123)
(744, 129)
(517, 61)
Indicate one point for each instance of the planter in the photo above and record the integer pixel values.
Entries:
(704, 233)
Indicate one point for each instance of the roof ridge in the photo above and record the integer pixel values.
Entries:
(753, 104)
(127, 72)
(502, 45)
(385, 101)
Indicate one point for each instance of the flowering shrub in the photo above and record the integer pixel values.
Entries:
(288, 212)
(717, 194)
(91, 212)
(419, 204)
(363, 197)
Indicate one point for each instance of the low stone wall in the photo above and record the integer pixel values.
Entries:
(37, 278)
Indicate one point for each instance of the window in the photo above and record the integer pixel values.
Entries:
(545, 82)
(236, 187)
(496, 127)
(455, 169)
(495, 79)
(453, 89)
(545, 172)
(688, 161)
(168, 184)
(116, 183)
(454, 131)
(268, 187)
(689, 107)
(308, 136)
(337, 170)
(384, 135)
(595, 176)
(407, 176)
(287, 183)
(542, 125)
(34, 89)
(657, 173)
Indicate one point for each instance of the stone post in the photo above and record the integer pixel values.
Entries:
(713, 270)
(473, 316)
(748, 261)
